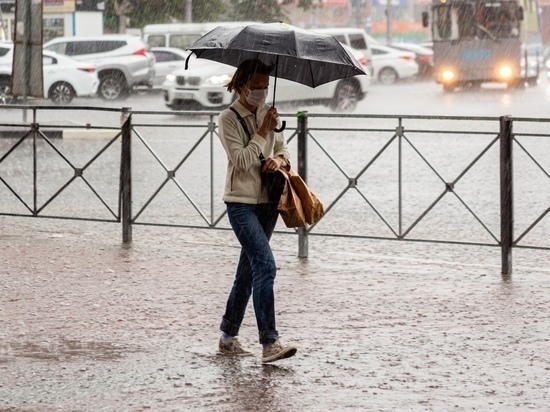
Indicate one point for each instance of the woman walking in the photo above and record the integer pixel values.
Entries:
(247, 134)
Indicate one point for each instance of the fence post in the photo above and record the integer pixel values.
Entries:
(506, 196)
(126, 175)
(302, 171)
(34, 127)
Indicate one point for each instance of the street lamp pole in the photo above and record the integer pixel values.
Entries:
(388, 22)
(188, 11)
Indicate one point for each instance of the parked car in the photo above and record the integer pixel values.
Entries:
(167, 59)
(64, 78)
(424, 57)
(355, 38)
(391, 65)
(6, 53)
(203, 86)
(122, 61)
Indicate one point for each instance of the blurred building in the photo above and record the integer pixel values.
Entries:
(545, 20)
(60, 18)
(367, 14)
(323, 13)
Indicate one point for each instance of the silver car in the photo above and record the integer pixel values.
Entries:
(122, 61)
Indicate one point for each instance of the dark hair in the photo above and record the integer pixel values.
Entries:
(245, 71)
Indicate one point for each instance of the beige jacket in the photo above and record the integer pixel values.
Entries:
(243, 182)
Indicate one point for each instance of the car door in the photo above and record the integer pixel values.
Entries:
(288, 91)
(380, 58)
(50, 71)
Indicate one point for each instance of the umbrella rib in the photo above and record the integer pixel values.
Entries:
(311, 74)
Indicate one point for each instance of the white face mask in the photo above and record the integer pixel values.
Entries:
(256, 98)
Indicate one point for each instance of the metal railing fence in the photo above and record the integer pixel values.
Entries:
(381, 173)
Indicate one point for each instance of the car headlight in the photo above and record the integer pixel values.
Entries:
(505, 72)
(170, 78)
(217, 80)
(447, 75)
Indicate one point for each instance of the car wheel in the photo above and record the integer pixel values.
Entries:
(345, 97)
(61, 93)
(388, 76)
(112, 87)
(5, 92)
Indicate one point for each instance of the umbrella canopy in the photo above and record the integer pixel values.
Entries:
(298, 55)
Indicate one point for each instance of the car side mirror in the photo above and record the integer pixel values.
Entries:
(520, 14)
(425, 19)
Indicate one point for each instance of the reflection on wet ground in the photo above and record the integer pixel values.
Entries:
(250, 384)
(65, 349)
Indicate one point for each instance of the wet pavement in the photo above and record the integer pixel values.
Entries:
(88, 324)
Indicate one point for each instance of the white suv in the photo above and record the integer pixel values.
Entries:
(122, 61)
(203, 86)
(355, 38)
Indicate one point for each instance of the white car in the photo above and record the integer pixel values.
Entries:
(203, 86)
(122, 61)
(6, 53)
(167, 59)
(64, 78)
(391, 65)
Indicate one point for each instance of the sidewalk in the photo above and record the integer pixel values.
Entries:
(87, 324)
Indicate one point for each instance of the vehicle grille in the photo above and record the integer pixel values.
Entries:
(194, 81)
(191, 81)
(215, 98)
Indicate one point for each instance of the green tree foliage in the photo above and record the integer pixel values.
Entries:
(266, 11)
(145, 12)
(156, 11)
(209, 10)
(304, 4)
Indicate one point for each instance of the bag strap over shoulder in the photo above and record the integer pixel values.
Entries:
(243, 123)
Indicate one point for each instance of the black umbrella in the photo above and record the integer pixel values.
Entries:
(298, 55)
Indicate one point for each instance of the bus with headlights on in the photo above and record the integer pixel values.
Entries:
(482, 41)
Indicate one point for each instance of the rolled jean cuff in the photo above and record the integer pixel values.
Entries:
(269, 336)
(229, 328)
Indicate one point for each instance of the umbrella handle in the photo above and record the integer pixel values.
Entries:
(283, 127)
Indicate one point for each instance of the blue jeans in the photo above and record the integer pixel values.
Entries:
(253, 225)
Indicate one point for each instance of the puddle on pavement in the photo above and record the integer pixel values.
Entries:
(249, 381)
(67, 350)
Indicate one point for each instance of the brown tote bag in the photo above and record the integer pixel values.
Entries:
(298, 205)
